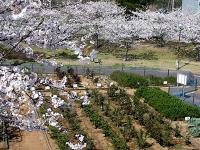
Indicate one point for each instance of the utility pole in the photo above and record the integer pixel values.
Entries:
(178, 55)
(179, 45)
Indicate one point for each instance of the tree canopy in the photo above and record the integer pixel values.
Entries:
(133, 4)
(144, 4)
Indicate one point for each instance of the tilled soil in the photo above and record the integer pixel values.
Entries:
(34, 140)
(100, 141)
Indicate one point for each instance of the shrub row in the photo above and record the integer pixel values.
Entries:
(155, 125)
(170, 106)
(159, 81)
(122, 119)
(74, 123)
(128, 79)
(60, 138)
(74, 127)
(136, 81)
(99, 122)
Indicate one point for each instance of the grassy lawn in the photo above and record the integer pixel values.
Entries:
(166, 59)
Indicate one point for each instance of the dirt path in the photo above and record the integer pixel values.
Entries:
(34, 140)
(100, 140)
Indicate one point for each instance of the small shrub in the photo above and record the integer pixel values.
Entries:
(141, 139)
(112, 91)
(54, 91)
(96, 80)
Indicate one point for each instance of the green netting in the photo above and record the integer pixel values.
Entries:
(194, 127)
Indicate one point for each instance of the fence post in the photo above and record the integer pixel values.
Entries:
(168, 73)
(169, 89)
(193, 99)
(32, 67)
(196, 84)
(144, 71)
(99, 69)
(10, 65)
(122, 67)
(76, 70)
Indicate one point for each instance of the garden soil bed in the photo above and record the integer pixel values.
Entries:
(100, 141)
(34, 140)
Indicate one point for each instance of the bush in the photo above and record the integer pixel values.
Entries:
(60, 138)
(141, 139)
(112, 91)
(60, 73)
(54, 91)
(129, 79)
(96, 80)
(154, 123)
(43, 108)
(169, 106)
(66, 55)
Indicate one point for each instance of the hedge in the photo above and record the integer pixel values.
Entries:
(169, 106)
(159, 80)
(135, 81)
(128, 79)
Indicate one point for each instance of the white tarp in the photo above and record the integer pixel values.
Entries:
(182, 79)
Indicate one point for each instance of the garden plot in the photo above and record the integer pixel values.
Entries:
(128, 126)
(67, 131)
(74, 96)
(94, 118)
(26, 101)
(152, 99)
(99, 138)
